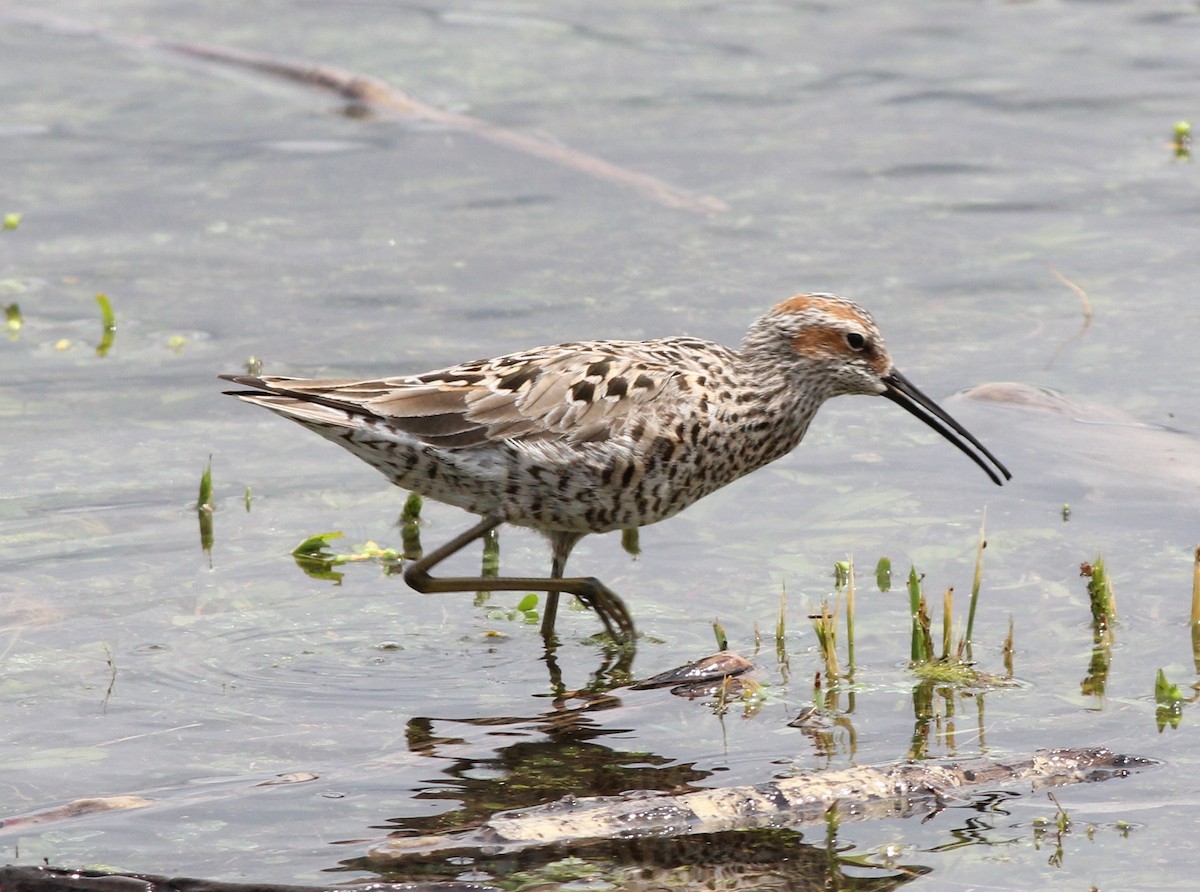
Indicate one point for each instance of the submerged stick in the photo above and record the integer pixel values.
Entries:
(1087, 314)
(379, 94)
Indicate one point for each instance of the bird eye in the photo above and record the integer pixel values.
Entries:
(856, 341)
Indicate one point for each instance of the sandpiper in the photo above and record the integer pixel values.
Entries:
(594, 436)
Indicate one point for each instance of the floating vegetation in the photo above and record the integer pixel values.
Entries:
(315, 558)
(109, 318)
(526, 611)
(247, 499)
(177, 343)
(12, 220)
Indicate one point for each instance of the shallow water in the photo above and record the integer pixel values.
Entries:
(933, 161)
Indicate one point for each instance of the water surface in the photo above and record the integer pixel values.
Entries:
(934, 161)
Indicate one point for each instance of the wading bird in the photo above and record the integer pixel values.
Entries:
(595, 436)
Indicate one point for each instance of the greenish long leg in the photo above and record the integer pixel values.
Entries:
(608, 606)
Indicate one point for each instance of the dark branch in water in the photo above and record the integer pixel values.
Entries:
(379, 95)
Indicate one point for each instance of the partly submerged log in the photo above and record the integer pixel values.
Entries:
(56, 879)
(854, 793)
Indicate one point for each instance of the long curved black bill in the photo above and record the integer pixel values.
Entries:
(904, 393)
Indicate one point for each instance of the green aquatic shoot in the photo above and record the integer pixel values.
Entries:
(1196, 609)
(13, 320)
(1009, 648)
(12, 220)
(1100, 593)
(410, 527)
(630, 542)
(1062, 820)
(850, 617)
(976, 582)
(1196, 587)
(952, 665)
(1182, 140)
(411, 513)
(109, 318)
(918, 652)
(841, 574)
(719, 632)
(947, 620)
(883, 575)
(781, 653)
(781, 622)
(1103, 605)
(204, 501)
(1169, 700)
(247, 499)
(204, 508)
(489, 563)
(825, 627)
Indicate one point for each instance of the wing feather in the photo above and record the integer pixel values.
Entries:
(572, 393)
